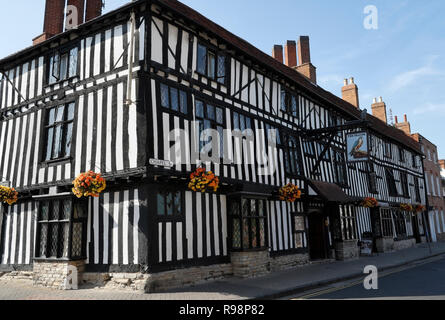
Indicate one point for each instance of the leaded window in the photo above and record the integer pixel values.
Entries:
(299, 231)
(347, 221)
(212, 64)
(400, 224)
(169, 204)
(339, 168)
(386, 223)
(209, 116)
(292, 160)
(61, 229)
(390, 180)
(248, 218)
(289, 103)
(174, 99)
(404, 182)
(59, 131)
(62, 65)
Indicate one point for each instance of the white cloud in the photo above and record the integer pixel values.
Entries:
(407, 78)
(437, 108)
(331, 79)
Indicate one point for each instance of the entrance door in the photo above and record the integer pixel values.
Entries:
(317, 235)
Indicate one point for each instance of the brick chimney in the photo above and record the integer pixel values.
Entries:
(94, 9)
(290, 53)
(379, 110)
(305, 67)
(277, 53)
(405, 126)
(55, 16)
(350, 92)
(442, 164)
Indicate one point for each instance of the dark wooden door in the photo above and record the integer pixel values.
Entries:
(317, 236)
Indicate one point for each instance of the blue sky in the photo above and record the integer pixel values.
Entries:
(403, 60)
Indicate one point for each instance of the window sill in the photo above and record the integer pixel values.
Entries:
(55, 162)
(58, 259)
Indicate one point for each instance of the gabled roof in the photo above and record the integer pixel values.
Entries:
(248, 49)
(288, 73)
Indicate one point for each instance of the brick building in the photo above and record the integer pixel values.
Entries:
(433, 180)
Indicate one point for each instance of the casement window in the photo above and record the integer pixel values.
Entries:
(61, 229)
(347, 222)
(391, 182)
(299, 230)
(292, 158)
(417, 189)
(170, 204)
(400, 224)
(401, 155)
(309, 149)
(289, 103)
(404, 182)
(387, 149)
(62, 65)
(386, 223)
(174, 99)
(339, 164)
(335, 120)
(248, 224)
(212, 64)
(58, 132)
(414, 161)
(320, 148)
(209, 117)
(372, 179)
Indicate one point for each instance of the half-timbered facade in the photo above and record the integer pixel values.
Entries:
(84, 100)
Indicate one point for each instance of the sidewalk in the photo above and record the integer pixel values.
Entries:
(271, 286)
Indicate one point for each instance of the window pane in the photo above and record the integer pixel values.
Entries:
(76, 246)
(253, 224)
(68, 137)
(178, 203)
(57, 142)
(43, 232)
(65, 239)
(221, 141)
(70, 115)
(236, 233)
(66, 210)
(73, 62)
(174, 99)
(51, 116)
(294, 106)
(161, 204)
(199, 109)
(246, 233)
(242, 123)
(49, 144)
(212, 65)
(283, 101)
(262, 233)
(210, 112)
(235, 121)
(170, 204)
(64, 66)
(60, 113)
(221, 69)
(54, 69)
(164, 96)
(54, 212)
(183, 102)
(44, 211)
(53, 239)
(219, 116)
(299, 223)
(202, 59)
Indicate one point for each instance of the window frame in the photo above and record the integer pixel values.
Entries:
(404, 184)
(217, 53)
(238, 202)
(65, 124)
(391, 182)
(180, 91)
(287, 100)
(284, 144)
(303, 232)
(50, 65)
(337, 164)
(70, 221)
(174, 217)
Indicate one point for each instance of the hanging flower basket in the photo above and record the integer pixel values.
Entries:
(203, 181)
(370, 203)
(419, 208)
(406, 207)
(289, 193)
(89, 184)
(8, 195)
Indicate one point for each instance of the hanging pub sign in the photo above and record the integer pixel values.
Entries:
(357, 146)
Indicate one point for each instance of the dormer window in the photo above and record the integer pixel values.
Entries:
(62, 65)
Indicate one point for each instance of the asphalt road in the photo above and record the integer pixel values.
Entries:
(419, 282)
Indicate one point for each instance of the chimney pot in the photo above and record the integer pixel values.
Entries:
(374, 100)
(380, 99)
(350, 92)
(397, 120)
(351, 80)
(277, 53)
(406, 118)
(290, 53)
(345, 82)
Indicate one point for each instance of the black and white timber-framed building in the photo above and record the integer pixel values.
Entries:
(66, 107)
